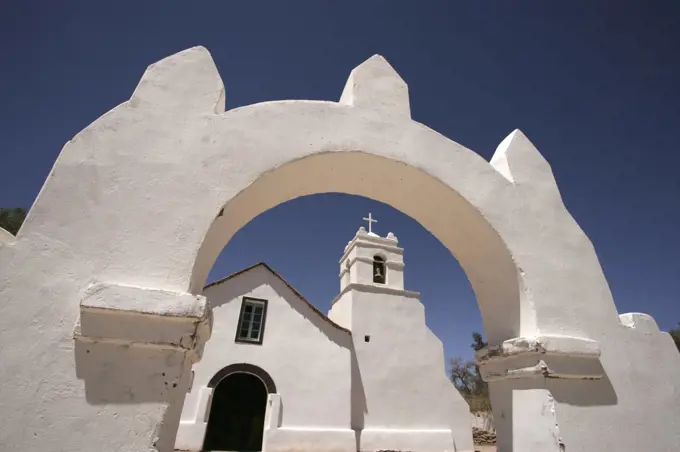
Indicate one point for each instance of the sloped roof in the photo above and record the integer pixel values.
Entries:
(323, 316)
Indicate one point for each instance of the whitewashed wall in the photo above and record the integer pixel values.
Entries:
(307, 357)
(402, 398)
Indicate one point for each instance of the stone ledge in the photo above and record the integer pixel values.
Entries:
(551, 345)
(541, 356)
(541, 369)
(147, 317)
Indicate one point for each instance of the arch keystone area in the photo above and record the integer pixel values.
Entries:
(140, 203)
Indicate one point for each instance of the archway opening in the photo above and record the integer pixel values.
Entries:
(450, 304)
(445, 213)
(458, 223)
(285, 238)
(237, 410)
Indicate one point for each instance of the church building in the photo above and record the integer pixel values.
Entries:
(279, 375)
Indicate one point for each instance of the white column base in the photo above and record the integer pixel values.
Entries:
(191, 432)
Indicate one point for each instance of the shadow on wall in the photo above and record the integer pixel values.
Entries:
(158, 377)
(501, 404)
(105, 368)
(358, 395)
(282, 407)
(583, 392)
(569, 391)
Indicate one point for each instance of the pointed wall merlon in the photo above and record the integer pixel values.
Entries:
(641, 322)
(518, 160)
(376, 86)
(187, 80)
(499, 160)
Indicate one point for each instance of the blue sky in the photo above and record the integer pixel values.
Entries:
(595, 86)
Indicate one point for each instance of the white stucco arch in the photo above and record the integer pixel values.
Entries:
(128, 223)
(447, 215)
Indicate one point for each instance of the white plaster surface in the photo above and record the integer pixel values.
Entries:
(5, 237)
(172, 159)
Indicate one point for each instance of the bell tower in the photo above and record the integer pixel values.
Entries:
(371, 280)
(372, 260)
(392, 349)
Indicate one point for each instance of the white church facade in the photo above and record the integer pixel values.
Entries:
(279, 375)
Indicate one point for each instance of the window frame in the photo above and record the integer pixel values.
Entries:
(244, 303)
(379, 259)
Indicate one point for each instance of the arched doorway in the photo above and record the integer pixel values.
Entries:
(237, 411)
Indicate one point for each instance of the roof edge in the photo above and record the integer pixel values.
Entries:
(323, 316)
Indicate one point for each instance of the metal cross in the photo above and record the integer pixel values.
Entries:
(370, 221)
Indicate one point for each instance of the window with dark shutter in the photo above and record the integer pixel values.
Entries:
(251, 320)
